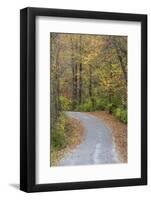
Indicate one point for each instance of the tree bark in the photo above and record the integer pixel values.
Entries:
(80, 71)
(73, 70)
(90, 81)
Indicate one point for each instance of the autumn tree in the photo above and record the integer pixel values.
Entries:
(88, 73)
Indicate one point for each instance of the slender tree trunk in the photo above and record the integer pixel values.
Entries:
(73, 71)
(122, 65)
(110, 89)
(74, 65)
(76, 81)
(57, 80)
(80, 71)
(90, 81)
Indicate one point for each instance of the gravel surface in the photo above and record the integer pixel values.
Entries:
(97, 147)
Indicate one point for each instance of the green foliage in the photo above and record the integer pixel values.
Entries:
(74, 104)
(109, 107)
(101, 104)
(121, 114)
(65, 103)
(93, 104)
(85, 107)
(58, 132)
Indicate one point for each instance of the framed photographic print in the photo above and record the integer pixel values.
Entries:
(83, 99)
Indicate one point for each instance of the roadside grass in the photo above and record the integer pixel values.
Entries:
(66, 135)
(119, 131)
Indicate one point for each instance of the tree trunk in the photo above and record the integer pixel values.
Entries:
(76, 81)
(110, 90)
(73, 71)
(90, 81)
(80, 71)
(56, 81)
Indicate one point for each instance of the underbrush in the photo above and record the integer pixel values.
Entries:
(103, 105)
(121, 114)
(66, 133)
(58, 132)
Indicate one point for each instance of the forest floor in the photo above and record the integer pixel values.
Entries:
(119, 131)
(98, 145)
(74, 136)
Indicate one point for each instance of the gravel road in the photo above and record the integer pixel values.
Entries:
(96, 148)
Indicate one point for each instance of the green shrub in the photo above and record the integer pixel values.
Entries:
(121, 114)
(124, 116)
(65, 103)
(118, 113)
(58, 132)
(85, 107)
(100, 104)
(109, 107)
(74, 104)
(93, 104)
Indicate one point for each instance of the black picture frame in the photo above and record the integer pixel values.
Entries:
(28, 98)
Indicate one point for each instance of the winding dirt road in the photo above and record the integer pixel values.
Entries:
(97, 147)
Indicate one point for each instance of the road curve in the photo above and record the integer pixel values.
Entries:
(96, 148)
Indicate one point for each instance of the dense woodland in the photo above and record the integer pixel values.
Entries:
(87, 73)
